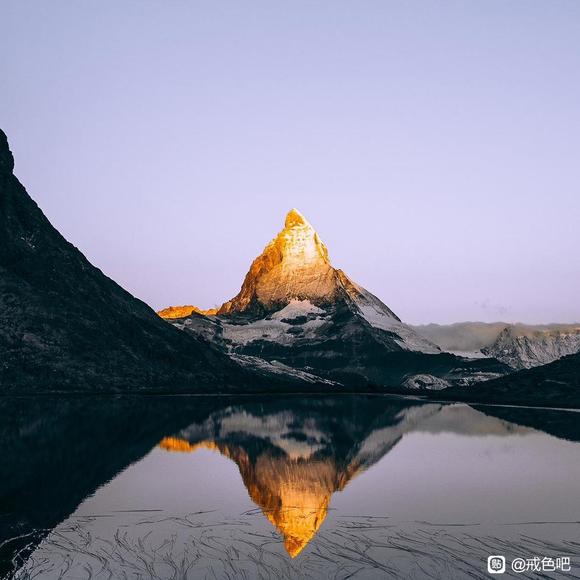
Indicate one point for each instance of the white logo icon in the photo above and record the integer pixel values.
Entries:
(496, 564)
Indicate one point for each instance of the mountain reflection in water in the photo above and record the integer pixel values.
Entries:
(293, 454)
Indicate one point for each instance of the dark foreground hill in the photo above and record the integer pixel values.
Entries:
(65, 325)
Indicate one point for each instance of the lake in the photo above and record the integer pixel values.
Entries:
(284, 487)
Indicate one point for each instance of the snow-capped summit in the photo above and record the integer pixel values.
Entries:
(295, 218)
(295, 268)
(294, 265)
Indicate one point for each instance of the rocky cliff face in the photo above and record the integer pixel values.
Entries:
(295, 308)
(65, 326)
(526, 347)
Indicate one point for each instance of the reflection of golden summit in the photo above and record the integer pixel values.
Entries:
(181, 445)
(293, 493)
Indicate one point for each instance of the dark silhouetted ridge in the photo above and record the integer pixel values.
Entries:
(65, 325)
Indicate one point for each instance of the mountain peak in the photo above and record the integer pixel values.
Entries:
(294, 265)
(293, 280)
(6, 158)
(295, 218)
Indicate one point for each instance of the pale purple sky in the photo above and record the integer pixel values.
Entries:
(435, 146)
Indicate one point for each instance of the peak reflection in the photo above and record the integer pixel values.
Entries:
(293, 456)
(293, 492)
(293, 453)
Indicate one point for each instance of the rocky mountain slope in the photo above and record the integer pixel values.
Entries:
(462, 337)
(65, 326)
(295, 308)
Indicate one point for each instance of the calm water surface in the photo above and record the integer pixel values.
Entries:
(294, 487)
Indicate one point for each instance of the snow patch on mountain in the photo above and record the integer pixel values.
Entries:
(274, 329)
(425, 382)
(297, 308)
(408, 338)
(277, 368)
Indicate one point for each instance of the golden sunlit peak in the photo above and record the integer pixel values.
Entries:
(294, 265)
(295, 218)
(173, 312)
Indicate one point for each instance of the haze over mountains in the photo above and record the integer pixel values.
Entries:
(520, 346)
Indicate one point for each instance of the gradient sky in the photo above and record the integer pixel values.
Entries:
(435, 146)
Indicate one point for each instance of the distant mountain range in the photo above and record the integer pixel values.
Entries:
(556, 384)
(520, 346)
(547, 358)
(527, 347)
